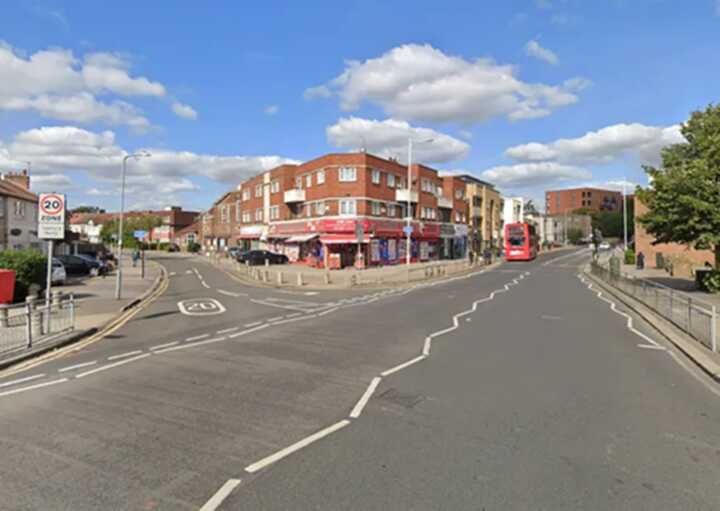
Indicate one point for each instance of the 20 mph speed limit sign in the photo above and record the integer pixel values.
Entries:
(51, 216)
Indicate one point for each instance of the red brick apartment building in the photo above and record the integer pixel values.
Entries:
(594, 199)
(313, 213)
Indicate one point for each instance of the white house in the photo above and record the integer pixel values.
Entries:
(18, 213)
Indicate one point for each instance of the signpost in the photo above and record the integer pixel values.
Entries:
(140, 236)
(359, 234)
(51, 226)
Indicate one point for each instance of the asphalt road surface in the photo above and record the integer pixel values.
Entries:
(534, 395)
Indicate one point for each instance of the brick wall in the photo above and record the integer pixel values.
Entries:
(595, 199)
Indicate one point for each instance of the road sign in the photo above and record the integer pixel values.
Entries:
(51, 216)
(408, 230)
(139, 235)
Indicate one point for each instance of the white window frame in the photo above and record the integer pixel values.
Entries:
(308, 180)
(320, 208)
(391, 180)
(376, 176)
(426, 185)
(347, 174)
(246, 194)
(320, 176)
(274, 186)
(246, 217)
(298, 182)
(274, 212)
(375, 208)
(259, 214)
(258, 190)
(237, 211)
(19, 209)
(392, 209)
(347, 207)
(225, 214)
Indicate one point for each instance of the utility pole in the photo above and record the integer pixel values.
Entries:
(625, 229)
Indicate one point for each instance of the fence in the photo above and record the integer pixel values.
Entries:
(33, 323)
(693, 316)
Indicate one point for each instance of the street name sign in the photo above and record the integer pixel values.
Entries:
(51, 216)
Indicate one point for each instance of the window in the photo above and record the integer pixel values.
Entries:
(308, 180)
(589, 194)
(224, 214)
(19, 208)
(375, 176)
(347, 174)
(320, 208)
(392, 209)
(320, 177)
(427, 185)
(308, 210)
(458, 217)
(237, 211)
(258, 190)
(391, 180)
(428, 213)
(274, 212)
(375, 208)
(246, 217)
(459, 193)
(274, 186)
(246, 194)
(439, 191)
(348, 207)
(298, 182)
(258, 215)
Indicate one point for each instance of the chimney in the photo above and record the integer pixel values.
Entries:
(20, 179)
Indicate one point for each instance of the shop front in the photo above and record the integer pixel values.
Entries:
(453, 241)
(250, 237)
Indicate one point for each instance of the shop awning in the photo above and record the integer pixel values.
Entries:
(278, 236)
(301, 238)
(343, 238)
(248, 236)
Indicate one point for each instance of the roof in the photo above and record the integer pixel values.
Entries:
(194, 227)
(96, 218)
(469, 178)
(9, 188)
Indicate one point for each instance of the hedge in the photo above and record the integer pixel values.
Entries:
(30, 267)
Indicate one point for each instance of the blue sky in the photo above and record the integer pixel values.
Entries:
(532, 95)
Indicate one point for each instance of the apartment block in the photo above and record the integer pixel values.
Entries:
(343, 209)
(484, 213)
(593, 199)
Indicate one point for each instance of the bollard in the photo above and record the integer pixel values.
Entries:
(3, 316)
(327, 277)
(247, 267)
(266, 277)
(56, 300)
(267, 263)
(280, 278)
(36, 318)
(299, 279)
(72, 311)
(28, 321)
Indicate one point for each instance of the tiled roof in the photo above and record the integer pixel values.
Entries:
(13, 190)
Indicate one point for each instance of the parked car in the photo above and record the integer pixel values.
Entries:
(604, 246)
(96, 266)
(235, 252)
(59, 275)
(260, 256)
(75, 265)
(173, 247)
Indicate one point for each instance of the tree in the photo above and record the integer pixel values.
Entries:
(684, 198)
(108, 233)
(530, 208)
(29, 265)
(574, 235)
(88, 209)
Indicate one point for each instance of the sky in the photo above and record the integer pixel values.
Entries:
(530, 95)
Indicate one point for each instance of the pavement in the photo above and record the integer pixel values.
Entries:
(531, 394)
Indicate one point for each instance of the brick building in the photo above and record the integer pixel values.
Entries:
(682, 257)
(314, 211)
(484, 213)
(558, 202)
(18, 212)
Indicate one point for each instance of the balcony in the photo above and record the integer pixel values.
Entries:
(295, 195)
(477, 211)
(404, 194)
(444, 202)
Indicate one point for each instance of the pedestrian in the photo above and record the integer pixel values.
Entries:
(471, 256)
(640, 261)
(487, 256)
(135, 257)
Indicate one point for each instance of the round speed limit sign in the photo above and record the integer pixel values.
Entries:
(52, 204)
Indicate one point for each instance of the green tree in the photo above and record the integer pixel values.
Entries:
(108, 233)
(29, 265)
(88, 209)
(684, 198)
(530, 207)
(574, 235)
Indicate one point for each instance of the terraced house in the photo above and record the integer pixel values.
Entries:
(343, 209)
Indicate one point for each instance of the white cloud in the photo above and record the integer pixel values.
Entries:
(58, 85)
(389, 138)
(271, 109)
(321, 91)
(50, 182)
(466, 134)
(534, 174)
(533, 49)
(184, 111)
(420, 82)
(61, 149)
(602, 146)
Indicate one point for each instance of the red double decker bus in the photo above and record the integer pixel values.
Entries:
(521, 242)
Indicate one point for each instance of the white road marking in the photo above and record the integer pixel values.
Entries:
(227, 330)
(220, 495)
(296, 447)
(205, 284)
(110, 366)
(231, 293)
(360, 405)
(245, 332)
(188, 271)
(572, 254)
(651, 347)
(270, 304)
(31, 387)
(197, 338)
(161, 346)
(256, 323)
(126, 354)
(77, 366)
(172, 273)
(328, 311)
(274, 318)
(293, 319)
(426, 346)
(21, 380)
(191, 345)
(403, 365)
(293, 315)
(551, 318)
(201, 307)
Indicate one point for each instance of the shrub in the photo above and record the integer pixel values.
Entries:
(712, 281)
(193, 247)
(163, 246)
(30, 267)
(629, 256)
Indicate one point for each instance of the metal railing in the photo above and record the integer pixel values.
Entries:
(695, 317)
(27, 325)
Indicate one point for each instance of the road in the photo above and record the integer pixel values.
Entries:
(534, 395)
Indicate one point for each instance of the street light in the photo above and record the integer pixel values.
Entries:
(118, 276)
(408, 227)
(625, 227)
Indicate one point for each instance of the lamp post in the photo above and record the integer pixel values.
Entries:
(118, 275)
(408, 227)
(625, 230)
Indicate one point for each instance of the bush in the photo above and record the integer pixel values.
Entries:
(712, 281)
(30, 267)
(193, 247)
(163, 246)
(574, 235)
(629, 256)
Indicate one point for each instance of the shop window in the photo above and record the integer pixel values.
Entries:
(347, 174)
(348, 207)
